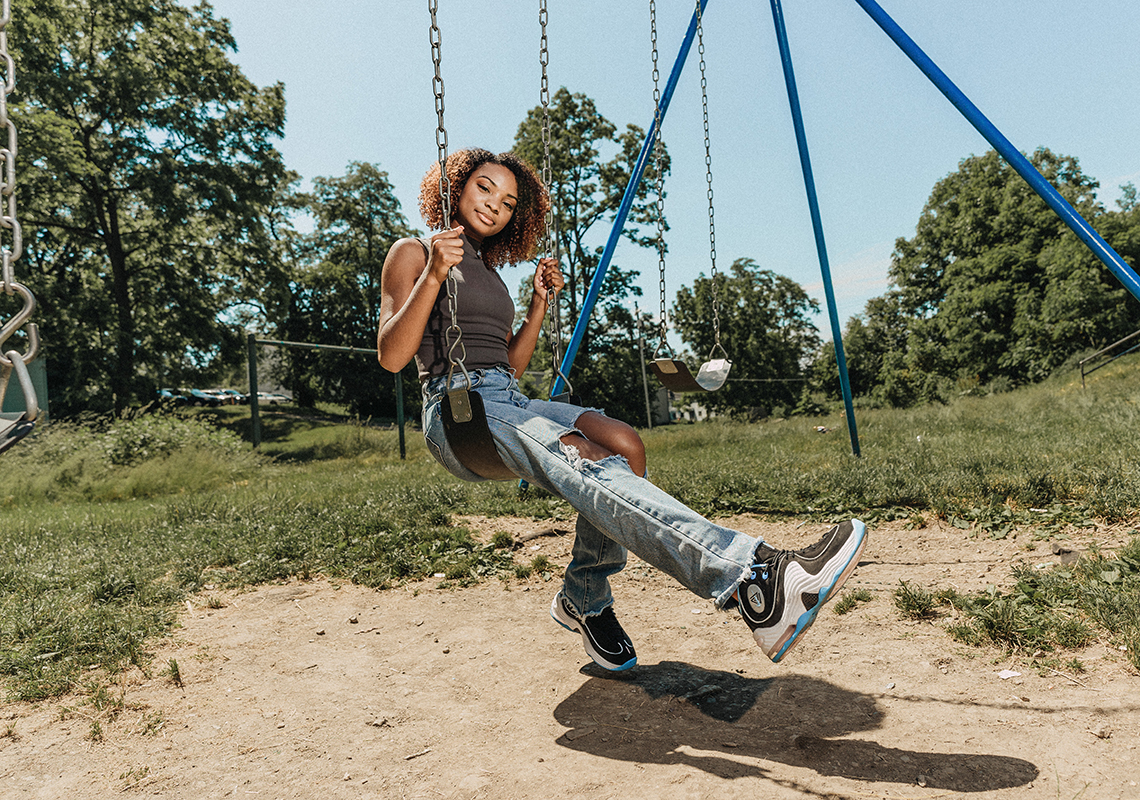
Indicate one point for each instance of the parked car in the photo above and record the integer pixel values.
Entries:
(232, 396)
(201, 397)
(174, 396)
(272, 398)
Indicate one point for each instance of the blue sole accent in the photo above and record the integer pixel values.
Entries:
(808, 617)
(622, 668)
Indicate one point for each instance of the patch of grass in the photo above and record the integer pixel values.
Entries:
(152, 723)
(1046, 455)
(87, 583)
(849, 600)
(1063, 608)
(914, 602)
(106, 526)
(174, 672)
(136, 456)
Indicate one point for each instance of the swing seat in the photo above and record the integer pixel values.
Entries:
(15, 425)
(13, 428)
(465, 425)
(676, 377)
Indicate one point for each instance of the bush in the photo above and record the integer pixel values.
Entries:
(126, 457)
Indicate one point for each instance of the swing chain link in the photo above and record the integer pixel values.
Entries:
(548, 242)
(550, 237)
(658, 159)
(456, 351)
(708, 177)
(8, 221)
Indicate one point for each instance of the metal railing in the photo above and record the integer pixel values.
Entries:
(1086, 370)
(252, 343)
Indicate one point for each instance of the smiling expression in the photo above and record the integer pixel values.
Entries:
(488, 201)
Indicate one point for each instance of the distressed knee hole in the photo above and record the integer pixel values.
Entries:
(573, 456)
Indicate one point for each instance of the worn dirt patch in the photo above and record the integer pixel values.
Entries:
(323, 690)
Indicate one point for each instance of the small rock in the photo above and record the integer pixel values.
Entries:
(280, 725)
(923, 780)
(890, 686)
(353, 620)
(1102, 733)
(446, 650)
(320, 631)
(380, 723)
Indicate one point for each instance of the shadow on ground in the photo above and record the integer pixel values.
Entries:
(720, 722)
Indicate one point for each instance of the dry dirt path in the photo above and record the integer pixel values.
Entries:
(318, 690)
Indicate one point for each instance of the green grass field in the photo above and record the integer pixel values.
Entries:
(105, 527)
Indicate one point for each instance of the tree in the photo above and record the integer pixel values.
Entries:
(587, 190)
(994, 286)
(334, 296)
(870, 340)
(765, 326)
(148, 162)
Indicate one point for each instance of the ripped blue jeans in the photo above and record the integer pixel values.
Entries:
(616, 508)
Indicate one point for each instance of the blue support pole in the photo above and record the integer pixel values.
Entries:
(816, 221)
(624, 208)
(1100, 248)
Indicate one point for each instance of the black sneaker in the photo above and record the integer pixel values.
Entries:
(604, 638)
(787, 588)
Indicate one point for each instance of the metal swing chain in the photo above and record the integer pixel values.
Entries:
(457, 345)
(708, 177)
(544, 96)
(660, 204)
(549, 239)
(9, 255)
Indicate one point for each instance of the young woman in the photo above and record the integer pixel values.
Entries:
(596, 463)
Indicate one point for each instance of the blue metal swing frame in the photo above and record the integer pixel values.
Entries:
(1094, 241)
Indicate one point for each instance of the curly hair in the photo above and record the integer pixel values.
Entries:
(514, 243)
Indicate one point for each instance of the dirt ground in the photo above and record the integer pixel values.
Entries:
(322, 690)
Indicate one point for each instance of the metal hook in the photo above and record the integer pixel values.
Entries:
(18, 321)
(31, 403)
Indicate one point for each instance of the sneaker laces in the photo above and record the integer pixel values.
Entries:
(769, 564)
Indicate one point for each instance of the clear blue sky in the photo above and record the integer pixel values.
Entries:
(1057, 73)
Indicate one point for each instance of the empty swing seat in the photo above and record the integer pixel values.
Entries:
(676, 376)
(13, 428)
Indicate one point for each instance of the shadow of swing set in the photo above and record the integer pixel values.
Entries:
(465, 421)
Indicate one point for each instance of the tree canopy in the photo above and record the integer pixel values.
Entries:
(148, 162)
(765, 327)
(333, 295)
(586, 190)
(993, 289)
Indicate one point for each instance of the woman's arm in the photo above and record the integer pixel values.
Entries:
(520, 347)
(409, 287)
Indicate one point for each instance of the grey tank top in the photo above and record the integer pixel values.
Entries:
(486, 316)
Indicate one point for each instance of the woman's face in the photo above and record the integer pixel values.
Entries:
(488, 201)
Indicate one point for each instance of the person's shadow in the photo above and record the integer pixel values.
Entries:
(676, 713)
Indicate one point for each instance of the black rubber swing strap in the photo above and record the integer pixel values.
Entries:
(471, 441)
